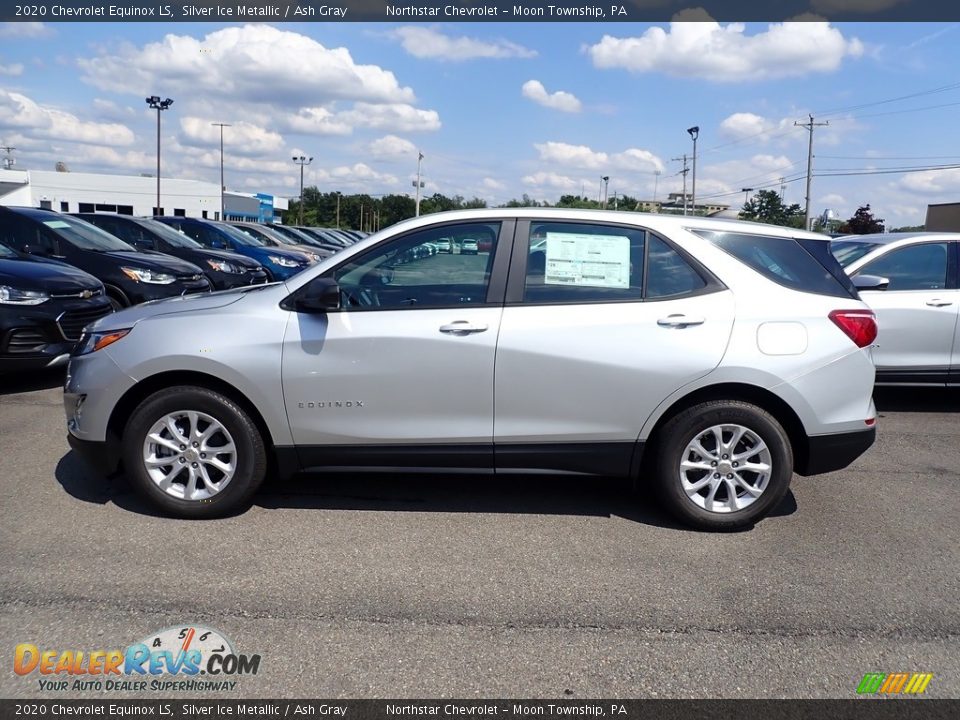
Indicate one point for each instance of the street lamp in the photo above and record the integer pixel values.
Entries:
(605, 183)
(694, 133)
(746, 194)
(418, 182)
(223, 211)
(155, 103)
(301, 161)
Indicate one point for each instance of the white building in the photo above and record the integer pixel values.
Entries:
(132, 195)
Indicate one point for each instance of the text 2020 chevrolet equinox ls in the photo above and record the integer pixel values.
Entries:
(708, 359)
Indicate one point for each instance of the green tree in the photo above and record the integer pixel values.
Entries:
(862, 223)
(767, 207)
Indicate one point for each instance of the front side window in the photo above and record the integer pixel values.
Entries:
(413, 272)
(918, 267)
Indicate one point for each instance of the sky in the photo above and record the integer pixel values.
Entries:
(498, 109)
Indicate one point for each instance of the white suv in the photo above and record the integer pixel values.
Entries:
(707, 359)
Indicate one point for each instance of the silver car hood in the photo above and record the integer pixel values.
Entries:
(189, 303)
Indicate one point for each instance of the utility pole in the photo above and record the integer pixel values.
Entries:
(809, 127)
(418, 183)
(223, 188)
(783, 188)
(301, 161)
(684, 173)
(8, 161)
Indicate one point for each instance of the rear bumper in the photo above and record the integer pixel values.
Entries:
(826, 453)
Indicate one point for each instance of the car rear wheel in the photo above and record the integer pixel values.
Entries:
(193, 452)
(723, 464)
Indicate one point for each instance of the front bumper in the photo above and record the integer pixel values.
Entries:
(229, 281)
(826, 453)
(44, 335)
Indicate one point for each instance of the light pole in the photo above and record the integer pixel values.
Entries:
(338, 209)
(301, 161)
(656, 182)
(694, 133)
(418, 183)
(155, 103)
(746, 195)
(223, 211)
(602, 192)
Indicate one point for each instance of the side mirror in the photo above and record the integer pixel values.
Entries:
(319, 296)
(870, 282)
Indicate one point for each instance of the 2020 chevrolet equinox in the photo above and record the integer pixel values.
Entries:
(708, 359)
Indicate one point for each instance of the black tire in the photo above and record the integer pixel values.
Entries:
(115, 304)
(678, 432)
(251, 456)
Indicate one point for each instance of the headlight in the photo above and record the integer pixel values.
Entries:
(313, 256)
(224, 266)
(148, 276)
(15, 296)
(284, 262)
(93, 341)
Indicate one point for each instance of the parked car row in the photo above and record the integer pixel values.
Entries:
(59, 272)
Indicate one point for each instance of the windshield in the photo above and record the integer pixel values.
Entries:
(241, 237)
(848, 251)
(174, 237)
(85, 236)
(258, 234)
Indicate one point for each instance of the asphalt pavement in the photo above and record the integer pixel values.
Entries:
(458, 587)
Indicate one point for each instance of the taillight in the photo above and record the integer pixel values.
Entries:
(858, 325)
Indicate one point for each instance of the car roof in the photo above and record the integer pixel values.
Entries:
(652, 221)
(886, 238)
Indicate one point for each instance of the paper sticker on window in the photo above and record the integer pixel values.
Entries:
(56, 224)
(588, 260)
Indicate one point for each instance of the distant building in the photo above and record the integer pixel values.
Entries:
(673, 205)
(943, 217)
(132, 195)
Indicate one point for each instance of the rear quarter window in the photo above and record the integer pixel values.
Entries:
(796, 263)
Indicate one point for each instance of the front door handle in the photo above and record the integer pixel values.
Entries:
(937, 302)
(679, 321)
(462, 327)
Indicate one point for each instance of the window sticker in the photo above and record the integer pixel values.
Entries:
(56, 224)
(587, 260)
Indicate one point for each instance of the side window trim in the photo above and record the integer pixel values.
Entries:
(518, 266)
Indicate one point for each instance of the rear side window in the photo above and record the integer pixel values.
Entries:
(798, 264)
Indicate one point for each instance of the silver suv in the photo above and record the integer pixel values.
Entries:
(706, 359)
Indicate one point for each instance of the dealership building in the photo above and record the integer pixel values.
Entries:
(133, 195)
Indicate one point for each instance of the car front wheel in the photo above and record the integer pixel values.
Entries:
(723, 464)
(193, 452)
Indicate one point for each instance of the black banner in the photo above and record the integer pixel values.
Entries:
(476, 10)
(857, 709)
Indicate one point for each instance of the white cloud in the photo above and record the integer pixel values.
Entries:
(832, 200)
(491, 184)
(391, 146)
(241, 137)
(551, 180)
(932, 181)
(560, 100)
(18, 112)
(254, 63)
(725, 53)
(397, 116)
(25, 30)
(427, 43)
(743, 125)
(585, 158)
(14, 69)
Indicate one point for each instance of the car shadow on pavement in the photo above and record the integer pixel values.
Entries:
(541, 495)
(30, 381)
(917, 399)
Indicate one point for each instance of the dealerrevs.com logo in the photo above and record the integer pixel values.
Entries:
(194, 658)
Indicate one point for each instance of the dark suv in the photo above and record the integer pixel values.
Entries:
(44, 307)
(224, 270)
(130, 277)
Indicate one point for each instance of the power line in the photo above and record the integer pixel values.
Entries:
(931, 91)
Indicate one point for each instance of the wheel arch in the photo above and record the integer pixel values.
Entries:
(114, 291)
(129, 401)
(761, 397)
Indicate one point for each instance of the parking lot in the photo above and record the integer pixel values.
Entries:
(543, 587)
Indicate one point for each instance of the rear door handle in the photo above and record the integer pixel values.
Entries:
(937, 302)
(462, 327)
(679, 321)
